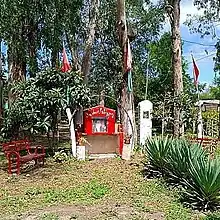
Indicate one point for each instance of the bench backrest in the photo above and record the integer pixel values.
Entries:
(205, 141)
(17, 146)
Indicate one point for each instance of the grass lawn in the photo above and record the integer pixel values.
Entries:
(97, 189)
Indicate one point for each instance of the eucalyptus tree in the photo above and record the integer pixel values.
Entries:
(173, 10)
(31, 28)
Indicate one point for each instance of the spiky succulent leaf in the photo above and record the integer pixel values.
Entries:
(157, 149)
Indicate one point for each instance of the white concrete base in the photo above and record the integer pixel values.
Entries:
(81, 152)
(102, 156)
(126, 153)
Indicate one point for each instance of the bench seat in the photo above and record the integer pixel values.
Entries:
(20, 152)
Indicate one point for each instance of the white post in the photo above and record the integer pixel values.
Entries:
(145, 118)
(200, 125)
(72, 131)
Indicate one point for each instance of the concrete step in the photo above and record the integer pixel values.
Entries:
(102, 156)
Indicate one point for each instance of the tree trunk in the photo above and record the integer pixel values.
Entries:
(17, 65)
(177, 66)
(1, 84)
(127, 115)
(86, 61)
(102, 98)
(54, 57)
(32, 51)
(122, 38)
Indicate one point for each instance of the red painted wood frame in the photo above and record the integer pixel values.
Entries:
(99, 120)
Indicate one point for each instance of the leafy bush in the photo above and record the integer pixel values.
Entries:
(213, 216)
(60, 157)
(189, 166)
(38, 100)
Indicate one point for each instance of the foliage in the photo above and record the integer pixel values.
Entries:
(203, 186)
(210, 115)
(107, 72)
(157, 150)
(188, 166)
(39, 100)
(60, 156)
(160, 73)
(180, 155)
(34, 30)
(206, 24)
(215, 90)
(213, 216)
(160, 70)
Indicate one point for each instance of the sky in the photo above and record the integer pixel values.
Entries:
(205, 65)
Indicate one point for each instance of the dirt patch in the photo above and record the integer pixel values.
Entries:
(103, 212)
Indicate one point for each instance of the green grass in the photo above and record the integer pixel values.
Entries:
(153, 196)
(2, 157)
(217, 151)
(212, 216)
(85, 193)
(49, 216)
(105, 183)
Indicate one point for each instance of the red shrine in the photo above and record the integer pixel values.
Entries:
(103, 134)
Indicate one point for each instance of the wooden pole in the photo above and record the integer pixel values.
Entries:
(173, 10)
(127, 114)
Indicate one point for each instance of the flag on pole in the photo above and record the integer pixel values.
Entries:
(65, 65)
(128, 57)
(128, 64)
(195, 72)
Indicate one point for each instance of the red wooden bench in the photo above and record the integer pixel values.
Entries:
(20, 152)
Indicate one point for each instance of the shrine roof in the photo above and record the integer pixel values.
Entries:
(99, 107)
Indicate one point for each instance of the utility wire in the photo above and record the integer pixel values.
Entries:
(203, 57)
(192, 42)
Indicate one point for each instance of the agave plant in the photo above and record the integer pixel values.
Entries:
(177, 161)
(203, 185)
(179, 157)
(157, 150)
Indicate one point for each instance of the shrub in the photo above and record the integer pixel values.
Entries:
(37, 102)
(178, 159)
(189, 166)
(157, 150)
(60, 156)
(203, 186)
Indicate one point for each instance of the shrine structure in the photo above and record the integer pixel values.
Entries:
(103, 135)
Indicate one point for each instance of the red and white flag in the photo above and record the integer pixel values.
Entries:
(65, 65)
(195, 72)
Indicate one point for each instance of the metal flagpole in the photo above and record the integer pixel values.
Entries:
(200, 125)
(146, 86)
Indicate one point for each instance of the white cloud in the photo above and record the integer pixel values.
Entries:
(186, 8)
